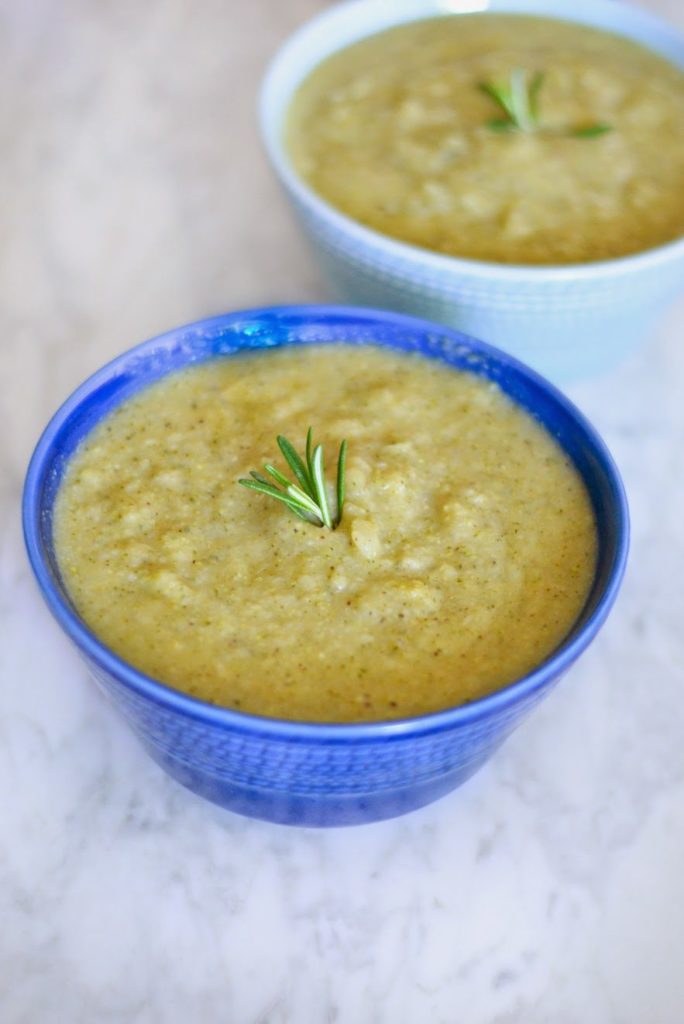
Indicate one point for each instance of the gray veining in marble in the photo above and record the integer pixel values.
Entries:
(550, 889)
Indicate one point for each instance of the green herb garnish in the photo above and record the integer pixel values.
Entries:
(589, 131)
(518, 99)
(308, 498)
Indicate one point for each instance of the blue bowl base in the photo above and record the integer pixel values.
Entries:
(311, 810)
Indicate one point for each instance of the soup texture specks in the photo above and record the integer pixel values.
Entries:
(465, 553)
(395, 131)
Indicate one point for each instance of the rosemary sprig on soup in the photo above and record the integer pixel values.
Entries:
(464, 555)
(308, 498)
(518, 98)
(498, 137)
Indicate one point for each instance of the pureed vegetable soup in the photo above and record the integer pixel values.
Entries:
(465, 552)
(498, 137)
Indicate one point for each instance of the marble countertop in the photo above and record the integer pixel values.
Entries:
(549, 889)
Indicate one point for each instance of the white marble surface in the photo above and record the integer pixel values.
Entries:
(550, 889)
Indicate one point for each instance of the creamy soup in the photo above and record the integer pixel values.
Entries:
(397, 132)
(465, 552)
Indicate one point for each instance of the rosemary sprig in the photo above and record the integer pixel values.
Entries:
(518, 99)
(308, 498)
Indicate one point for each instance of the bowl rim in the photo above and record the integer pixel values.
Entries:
(297, 730)
(401, 252)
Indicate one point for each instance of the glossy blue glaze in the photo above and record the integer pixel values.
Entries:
(295, 772)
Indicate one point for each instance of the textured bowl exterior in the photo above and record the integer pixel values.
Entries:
(566, 322)
(294, 772)
(329, 781)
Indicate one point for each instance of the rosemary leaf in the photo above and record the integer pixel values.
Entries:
(535, 89)
(309, 453)
(277, 475)
(518, 99)
(273, 492)
(498, 124)
(295, 463)
(319, 486)
(499, 94)
(305, 501)
(341, 479)
(314, 520)
(591, 131)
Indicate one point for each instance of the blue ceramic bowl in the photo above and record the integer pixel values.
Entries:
(303, 773)
(565, 321)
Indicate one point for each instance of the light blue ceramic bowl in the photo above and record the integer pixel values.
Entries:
(567, 322)
(302, 773)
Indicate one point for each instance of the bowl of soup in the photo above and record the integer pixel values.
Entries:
(312, 674)
(512, 169)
